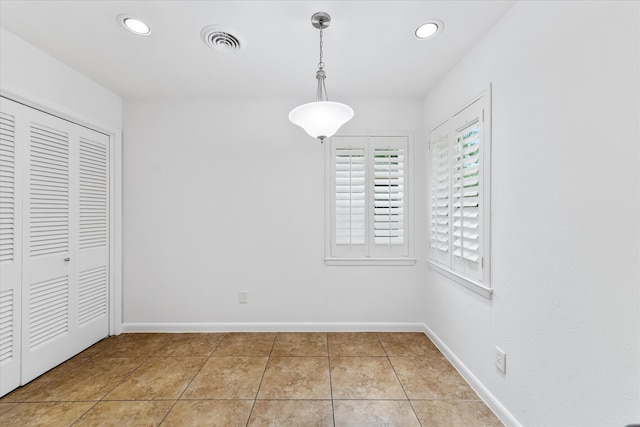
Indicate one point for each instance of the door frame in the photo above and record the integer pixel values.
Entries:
(115, 194)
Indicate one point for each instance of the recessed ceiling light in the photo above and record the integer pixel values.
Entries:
(134, 25)
(429, 29)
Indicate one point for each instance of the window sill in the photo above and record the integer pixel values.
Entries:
(370, 261)
(463, 281)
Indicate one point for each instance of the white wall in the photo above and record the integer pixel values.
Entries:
(29, 74)
(565, 201)
(227, 195)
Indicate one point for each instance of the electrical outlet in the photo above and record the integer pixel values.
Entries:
(244, 297)
(501, 360)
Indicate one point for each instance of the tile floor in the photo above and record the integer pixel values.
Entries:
(251, 379)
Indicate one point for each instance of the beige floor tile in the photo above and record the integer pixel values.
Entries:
(118, 414)
(292, 413)
(190, 345)
(158, 378)
(92, 381)
(407, 344)
(253, 344)
(296, 378)
(98, 347)
(364, 378)
(131, 345)
(50, 414)
(227, 378)
(452, 413)
(388, 413)
(209, 413)
(431, 378)
(6, 407)
(355, 344)
(300, 344)
(24, 393)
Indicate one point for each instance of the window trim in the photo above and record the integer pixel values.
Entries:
(332, 260)
(483, 287)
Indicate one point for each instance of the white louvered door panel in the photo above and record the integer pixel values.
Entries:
(440, 192)
(10, 244)
(92, 235)
(466, 193)
(388, 194)
(47, 252)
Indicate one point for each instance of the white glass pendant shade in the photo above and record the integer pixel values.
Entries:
(321, 119)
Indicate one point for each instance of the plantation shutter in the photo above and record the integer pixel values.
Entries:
(388, 196)
(350, 196)
(388, 229)
(467, 192)
(368, 196)
(459, 200)
(440, 197)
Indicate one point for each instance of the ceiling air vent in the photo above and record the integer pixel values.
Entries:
(222, 39)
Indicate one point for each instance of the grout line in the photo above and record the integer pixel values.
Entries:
(183, 391)
(191, 381)
(333, 408)
(262, 378)
(85, 413)
(101, 399)
(399, 381)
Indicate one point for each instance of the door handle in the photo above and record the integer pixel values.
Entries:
(67, 259)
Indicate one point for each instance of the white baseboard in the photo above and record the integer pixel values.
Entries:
(276, 327)
(494, 404)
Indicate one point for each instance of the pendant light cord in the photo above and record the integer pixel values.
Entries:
(321, 94)
(321, 64)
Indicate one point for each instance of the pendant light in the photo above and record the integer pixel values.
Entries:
(322, 118)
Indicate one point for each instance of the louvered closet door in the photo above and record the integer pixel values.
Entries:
(10, 245)
(65, 255)
(47, 252)
(92, 236)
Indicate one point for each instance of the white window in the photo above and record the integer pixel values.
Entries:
(460, 158)
(368, 200)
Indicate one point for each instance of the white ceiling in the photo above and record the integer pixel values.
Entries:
(370, 49)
